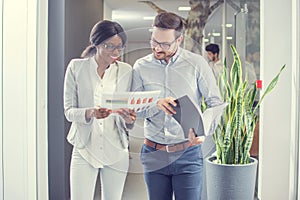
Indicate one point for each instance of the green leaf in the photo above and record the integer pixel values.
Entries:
(270, 87)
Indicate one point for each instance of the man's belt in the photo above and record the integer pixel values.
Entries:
(168, 147)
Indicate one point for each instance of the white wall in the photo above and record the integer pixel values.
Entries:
(278, 126)
(107, 11)
(70, 22)
(296, 8)
(23, 113)
(42, 102)
(1, 110)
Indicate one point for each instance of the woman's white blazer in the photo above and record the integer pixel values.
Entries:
(79, 95)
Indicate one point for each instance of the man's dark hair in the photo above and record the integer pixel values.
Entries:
(214, 48)
(168, 20)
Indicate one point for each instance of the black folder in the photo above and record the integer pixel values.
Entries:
(188, 116)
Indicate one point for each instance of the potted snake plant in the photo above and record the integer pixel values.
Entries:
(231, 172)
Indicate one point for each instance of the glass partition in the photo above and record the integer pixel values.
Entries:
(237, 23)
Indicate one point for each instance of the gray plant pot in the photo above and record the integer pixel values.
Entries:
(230, 182)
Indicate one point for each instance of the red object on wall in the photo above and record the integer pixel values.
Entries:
(259, 84)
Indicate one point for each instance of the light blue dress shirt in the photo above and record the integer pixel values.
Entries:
(185, 74)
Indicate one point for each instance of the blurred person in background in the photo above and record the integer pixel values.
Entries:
(214, 61)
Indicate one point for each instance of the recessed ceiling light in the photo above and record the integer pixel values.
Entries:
(184, 8)
(228, 25)
(229, 38)
(148, 18)
(216, 34)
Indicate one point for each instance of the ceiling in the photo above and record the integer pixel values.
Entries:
(130, 13)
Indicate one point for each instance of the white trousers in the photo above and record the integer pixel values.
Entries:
(83, 179)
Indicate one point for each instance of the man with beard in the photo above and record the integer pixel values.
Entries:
(213, 51)
(173, 164)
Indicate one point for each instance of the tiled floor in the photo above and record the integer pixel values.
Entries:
(135, 188)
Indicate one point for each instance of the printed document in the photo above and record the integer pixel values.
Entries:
(138, 101)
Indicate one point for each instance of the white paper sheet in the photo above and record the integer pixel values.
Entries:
(138, 101)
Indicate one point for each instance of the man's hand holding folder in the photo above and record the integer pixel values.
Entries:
(193, 139)
(167, 105)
